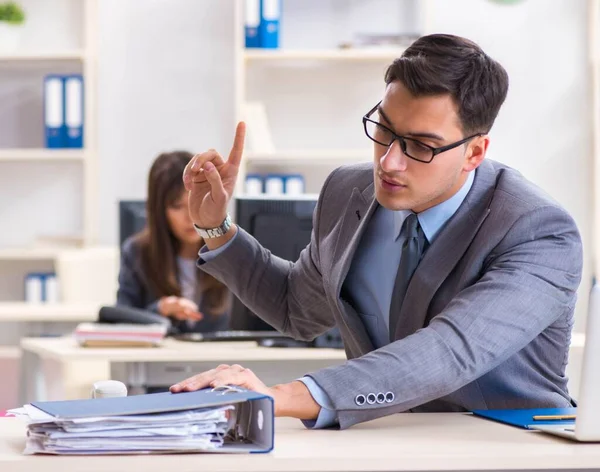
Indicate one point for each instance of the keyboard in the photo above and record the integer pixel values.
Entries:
(231, 336)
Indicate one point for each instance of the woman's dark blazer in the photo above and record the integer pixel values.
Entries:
(134, 291)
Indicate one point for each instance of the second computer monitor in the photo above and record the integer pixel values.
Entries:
(282, 225)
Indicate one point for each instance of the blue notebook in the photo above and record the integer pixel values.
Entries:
(255, 411)
(524, 418)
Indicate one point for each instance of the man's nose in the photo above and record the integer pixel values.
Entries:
(394, 159)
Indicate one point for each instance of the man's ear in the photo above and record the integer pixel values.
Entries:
(476, 152)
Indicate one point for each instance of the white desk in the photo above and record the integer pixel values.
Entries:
(58, 369)
(444, 441)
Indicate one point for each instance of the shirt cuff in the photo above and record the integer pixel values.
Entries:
(206, 255)
(327, 416)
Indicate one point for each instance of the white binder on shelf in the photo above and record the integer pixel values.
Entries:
(74, 110)
(252, 23)
(54, 115)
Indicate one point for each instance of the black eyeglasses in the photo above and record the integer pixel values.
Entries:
(413, 148)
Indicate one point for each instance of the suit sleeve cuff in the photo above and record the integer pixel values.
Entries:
(205, 255)
(153, 306)
(327, 416)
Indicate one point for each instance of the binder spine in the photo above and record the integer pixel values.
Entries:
(252, 23)
(74, 111)
(270, 13)
(54, 113)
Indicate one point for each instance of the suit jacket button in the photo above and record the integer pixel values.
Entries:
(380, 398)
(371, 398)
(389, 397)
(360, 399)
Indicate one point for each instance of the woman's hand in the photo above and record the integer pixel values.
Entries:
(179, 308)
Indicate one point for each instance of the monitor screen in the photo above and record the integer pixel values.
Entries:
(132, 218)
(282, 225)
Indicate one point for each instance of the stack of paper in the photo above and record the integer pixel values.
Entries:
(195, 430)
(113, 335)
(225, 419)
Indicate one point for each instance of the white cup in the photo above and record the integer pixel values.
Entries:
(108, 389)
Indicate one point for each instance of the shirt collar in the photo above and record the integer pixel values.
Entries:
(433, 219)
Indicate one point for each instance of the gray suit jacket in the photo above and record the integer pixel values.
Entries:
(487, 316)
(135, 291)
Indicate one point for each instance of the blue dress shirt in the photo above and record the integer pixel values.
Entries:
(370, 291)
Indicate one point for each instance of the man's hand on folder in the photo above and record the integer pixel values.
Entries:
(291, 399)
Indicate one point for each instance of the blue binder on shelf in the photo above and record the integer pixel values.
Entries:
(524, 418)
(54, 112)
(254, 411)
(74, 110)
(270, 14)
(252, 23)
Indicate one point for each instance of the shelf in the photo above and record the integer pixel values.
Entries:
(24, 56)
(366, 54)
(312, 156)
(10, 352)
(29, 254)
(57, 312)
(50, 155)
(263, 196)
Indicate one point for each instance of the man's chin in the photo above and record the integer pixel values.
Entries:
(392, 203)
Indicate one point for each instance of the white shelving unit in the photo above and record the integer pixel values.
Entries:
(298, 68)
(51, 155)
(81, 57)
(28, 254)
(367, 54)
(10, 352)
(74, 55)
(312, 156)
(55, 312)
(594, 64)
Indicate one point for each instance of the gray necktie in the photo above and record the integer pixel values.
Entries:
(412, 250)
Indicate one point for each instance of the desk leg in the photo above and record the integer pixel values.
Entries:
(136, 373)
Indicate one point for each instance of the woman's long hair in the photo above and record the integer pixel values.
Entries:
(159, 246)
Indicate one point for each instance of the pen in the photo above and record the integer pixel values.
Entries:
(553, 417)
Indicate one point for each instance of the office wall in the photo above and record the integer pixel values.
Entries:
(166, 81)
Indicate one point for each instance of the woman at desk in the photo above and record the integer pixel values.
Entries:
(158, 265)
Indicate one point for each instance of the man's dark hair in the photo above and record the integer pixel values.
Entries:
(441, 64)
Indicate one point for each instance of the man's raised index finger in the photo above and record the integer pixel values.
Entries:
(235, 156)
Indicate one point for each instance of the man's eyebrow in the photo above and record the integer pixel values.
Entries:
(419, 134)
(383, 115)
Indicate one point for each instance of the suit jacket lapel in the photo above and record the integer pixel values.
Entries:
(445, 252)
(357, 214)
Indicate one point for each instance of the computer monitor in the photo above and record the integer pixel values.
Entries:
(132, 218)
(281, 224)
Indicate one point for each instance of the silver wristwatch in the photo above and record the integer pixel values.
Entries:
(209, 233)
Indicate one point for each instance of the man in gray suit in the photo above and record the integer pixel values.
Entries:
(451, 278)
